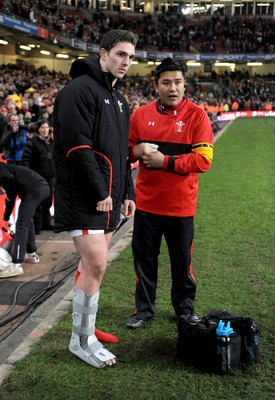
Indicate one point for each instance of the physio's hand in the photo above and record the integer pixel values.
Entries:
(129, 208)
(105, 205)
(153, 160)
(150, 148)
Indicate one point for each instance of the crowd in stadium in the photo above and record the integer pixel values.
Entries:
(166, 31)
(25, 88)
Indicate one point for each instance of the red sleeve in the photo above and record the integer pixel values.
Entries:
(200, 158)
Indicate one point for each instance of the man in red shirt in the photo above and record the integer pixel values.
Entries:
(173, 140)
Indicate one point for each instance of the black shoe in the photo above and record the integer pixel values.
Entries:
(192, 317)
(134, 322)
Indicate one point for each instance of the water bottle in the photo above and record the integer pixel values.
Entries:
(223, 333)
(251, 344)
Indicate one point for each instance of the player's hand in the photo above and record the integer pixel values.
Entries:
(105, 205)
(129, 208)
(138, 150)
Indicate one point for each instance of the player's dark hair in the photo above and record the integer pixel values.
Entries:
(111, 38)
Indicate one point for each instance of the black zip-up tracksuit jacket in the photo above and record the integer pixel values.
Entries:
(91, 126)
(18, 181)
(38, 156)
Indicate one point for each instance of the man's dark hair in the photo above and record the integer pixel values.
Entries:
(111, 38)
(168, 64)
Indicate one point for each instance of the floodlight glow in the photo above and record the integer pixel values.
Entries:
(23, 47)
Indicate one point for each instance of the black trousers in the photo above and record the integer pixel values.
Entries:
(24, 239)
(147, 236)
(42, 217)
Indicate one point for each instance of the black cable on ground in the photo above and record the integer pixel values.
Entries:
(33, 302)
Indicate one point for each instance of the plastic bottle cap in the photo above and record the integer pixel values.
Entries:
(224, 329)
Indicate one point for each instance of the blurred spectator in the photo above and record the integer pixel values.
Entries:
(46, 112)
(38, 156)
(27, 118)
(12, 108)
(3, 122)
(4, 111)
(13, 140)
(32, 16)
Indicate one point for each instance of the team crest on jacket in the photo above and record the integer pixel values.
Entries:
(120, 104)
(180, 125)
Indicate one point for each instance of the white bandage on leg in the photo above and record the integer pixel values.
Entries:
(84, 343)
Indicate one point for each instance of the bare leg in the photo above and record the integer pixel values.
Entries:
(94, 255)
(108, 237)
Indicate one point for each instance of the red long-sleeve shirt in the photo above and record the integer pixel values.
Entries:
(184, 135)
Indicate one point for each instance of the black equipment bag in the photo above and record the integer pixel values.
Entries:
(198, 344)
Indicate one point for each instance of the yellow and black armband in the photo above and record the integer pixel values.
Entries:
(205, 149)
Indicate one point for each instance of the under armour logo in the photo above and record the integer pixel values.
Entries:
(180, 126)
(151, 123)
(120, 106)
(107, 101)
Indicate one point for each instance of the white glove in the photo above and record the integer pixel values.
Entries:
(150, 148)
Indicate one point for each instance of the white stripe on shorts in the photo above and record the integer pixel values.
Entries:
(80, 232)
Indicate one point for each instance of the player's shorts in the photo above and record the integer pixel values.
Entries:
(80, 232)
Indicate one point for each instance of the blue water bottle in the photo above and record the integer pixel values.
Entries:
(223, 333)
